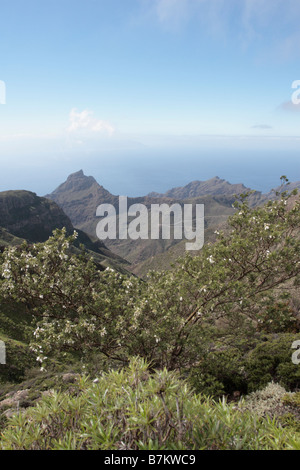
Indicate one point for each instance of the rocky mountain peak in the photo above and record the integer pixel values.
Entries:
(77, 181)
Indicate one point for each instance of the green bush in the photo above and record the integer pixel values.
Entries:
(292, 400)
(13, 321)
(220, 373)
(247, 365)
(271, 360)
(133, 409)
(19, 359)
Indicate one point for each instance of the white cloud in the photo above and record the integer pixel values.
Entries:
(84, 121)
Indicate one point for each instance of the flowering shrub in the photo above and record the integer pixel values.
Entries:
(228, 289)
(267, 401)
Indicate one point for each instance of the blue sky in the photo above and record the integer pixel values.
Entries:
(113, 86)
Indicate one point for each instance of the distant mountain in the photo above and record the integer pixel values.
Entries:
(212, 187)
(217, 187)
(79, 197)
(26, 216)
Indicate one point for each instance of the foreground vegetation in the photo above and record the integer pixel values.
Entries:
(165, 350)
(132, 409)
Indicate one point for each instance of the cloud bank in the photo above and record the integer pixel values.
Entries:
(84, 121)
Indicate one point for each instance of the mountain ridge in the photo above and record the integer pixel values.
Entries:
(214, 186)
(80, 195)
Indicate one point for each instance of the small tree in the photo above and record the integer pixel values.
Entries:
(75, 306)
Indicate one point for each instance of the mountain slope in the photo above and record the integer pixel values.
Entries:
(7, 239)
(26, 216)
(290, 187)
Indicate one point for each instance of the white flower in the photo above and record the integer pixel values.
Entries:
(110, 270)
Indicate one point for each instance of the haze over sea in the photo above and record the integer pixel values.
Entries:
(260, 171)
(136, 173)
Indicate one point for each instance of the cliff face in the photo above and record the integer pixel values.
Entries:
(25, 215)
